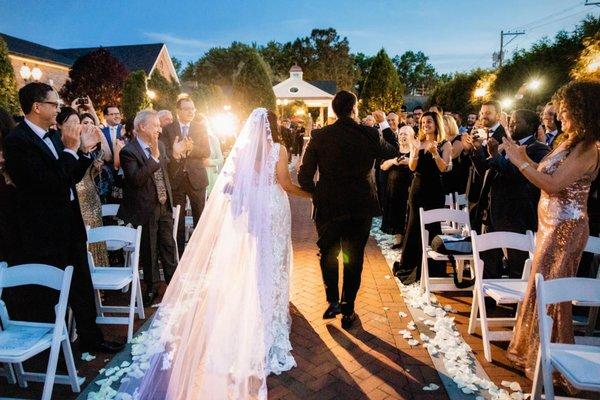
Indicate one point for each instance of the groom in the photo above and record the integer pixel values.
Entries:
(344, 197)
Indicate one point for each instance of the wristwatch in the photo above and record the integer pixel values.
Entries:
(523, 166)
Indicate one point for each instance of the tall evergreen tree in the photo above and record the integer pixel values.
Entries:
(382, 89)
(166, 92)
(9, 99)
(135, 97)
(252, 86)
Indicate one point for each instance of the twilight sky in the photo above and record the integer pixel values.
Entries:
(456, 35)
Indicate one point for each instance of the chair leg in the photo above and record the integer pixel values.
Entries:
(536, 388)
(425, 278)
(10, 374)
(548, 383)
(591, 322)
(20, 372)
(51, 371)
(71, 369)
(139, 300)
(132, 307)
(487, 351)
(473, 316)
(98, 301)
(460, 267)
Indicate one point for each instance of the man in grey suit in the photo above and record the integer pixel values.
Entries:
(147, 198)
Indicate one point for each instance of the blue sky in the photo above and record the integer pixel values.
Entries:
(456, 34)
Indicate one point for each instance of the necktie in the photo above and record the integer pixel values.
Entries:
(159, 181)
(548, 138)
(184, 131)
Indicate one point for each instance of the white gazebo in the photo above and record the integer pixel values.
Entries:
(296, 88)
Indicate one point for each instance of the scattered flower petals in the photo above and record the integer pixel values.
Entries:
(387, 277)
(402, 314)
(431, 387)
(87, 357)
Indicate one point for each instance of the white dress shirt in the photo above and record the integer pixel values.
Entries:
(146, 148)
(186, 130)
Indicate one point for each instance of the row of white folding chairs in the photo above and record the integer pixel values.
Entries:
(23, 340)
(503, 291)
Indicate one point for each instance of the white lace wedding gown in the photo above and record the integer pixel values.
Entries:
(224, 321)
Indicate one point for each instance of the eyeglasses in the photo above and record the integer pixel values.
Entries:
(56, 104)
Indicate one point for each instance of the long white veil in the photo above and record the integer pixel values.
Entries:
(206, 340)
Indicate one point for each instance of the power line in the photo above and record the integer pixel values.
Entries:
(535, 21)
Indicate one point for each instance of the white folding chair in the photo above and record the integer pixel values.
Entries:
(20, 340)
(579, 364)
(588, 324)
(460, 201)
(110, 210)
(188, 220)
(176, 212)
(118, 278)
(503, 291)
(436, 284)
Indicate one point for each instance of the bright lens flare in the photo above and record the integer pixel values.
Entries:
(507, 103)
(223, 124)
(534, 84)
(594, 64)
(151, 94)
(480, 92)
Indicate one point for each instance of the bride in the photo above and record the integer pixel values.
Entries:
(224, 322)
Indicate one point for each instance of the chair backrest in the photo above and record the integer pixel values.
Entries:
(593, 245)
(110, 210)
(503, 240)
(585, 291)
(38, 274)
(445, 215)
(112, 233)
(449, 201)
(460, 200)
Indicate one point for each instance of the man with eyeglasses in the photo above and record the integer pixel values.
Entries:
(187, 171)
(45, 165)
(112, 130)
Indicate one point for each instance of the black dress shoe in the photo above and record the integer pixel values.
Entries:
(148, 298)
(333, 310)
(104, 346)
(347, 320)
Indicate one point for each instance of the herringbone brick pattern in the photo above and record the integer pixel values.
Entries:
(371, 360)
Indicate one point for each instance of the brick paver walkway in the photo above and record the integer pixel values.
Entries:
(371, 360)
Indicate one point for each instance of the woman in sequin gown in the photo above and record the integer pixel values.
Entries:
(564, 178)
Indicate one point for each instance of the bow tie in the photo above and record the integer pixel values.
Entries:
(48, 134)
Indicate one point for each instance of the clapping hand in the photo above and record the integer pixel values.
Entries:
(181, 147)
(516, 154)
(414, 143)
(71, 135)
(432, 148)
(90, 136)
(119, 144)
(492, 146)
(379, 116)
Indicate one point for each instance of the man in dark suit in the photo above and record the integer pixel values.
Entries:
(554, 136)
(147, 198)
(187, 171)
(474, 148)
(345, 198)
(45, 166)
(511, 199)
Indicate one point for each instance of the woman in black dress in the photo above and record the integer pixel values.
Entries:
(425, 191)
(395, 200)
(456, 175)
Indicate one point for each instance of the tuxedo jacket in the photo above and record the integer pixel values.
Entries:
(193, 164)
(510, 200)
(47, 218)
(140, 198)
(344, 153)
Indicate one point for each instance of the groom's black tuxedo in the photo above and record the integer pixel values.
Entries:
(49, 221)
(345, 199)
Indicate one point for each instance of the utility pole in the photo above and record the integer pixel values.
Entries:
(591, 3)
(499, 57)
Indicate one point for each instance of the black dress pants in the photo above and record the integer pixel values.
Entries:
(158, 242)
(197, 200)
(348, 235)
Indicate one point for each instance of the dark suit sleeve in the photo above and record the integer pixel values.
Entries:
(308, 168)
(389, 137)
(135, 174)
(201, 148)
(386, 150)
(27, 169)
(75, 167)
(479, 160)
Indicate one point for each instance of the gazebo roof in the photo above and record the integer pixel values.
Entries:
(294, 88)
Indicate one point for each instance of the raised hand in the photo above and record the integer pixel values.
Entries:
(119, 144)
(71, 135)
(90, 136)
(379, 116)
(180, 147)
(432, 148)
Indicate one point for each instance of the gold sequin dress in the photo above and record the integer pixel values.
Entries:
(561, 237)
(91, 211)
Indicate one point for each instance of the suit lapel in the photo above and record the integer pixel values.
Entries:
(37, 141)
(139, 152)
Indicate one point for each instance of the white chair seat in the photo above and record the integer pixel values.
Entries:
(111, 278)
(442, 257)
(19, 342)
(579, 363)
(505, 291)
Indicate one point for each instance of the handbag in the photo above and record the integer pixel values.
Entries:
(450, 245)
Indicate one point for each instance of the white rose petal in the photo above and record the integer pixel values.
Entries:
(87, 357)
